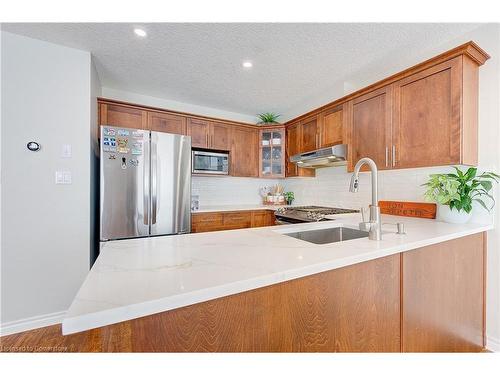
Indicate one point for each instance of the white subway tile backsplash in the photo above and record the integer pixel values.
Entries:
(330, 187)
(229, 190)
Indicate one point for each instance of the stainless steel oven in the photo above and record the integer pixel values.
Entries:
(210, 162)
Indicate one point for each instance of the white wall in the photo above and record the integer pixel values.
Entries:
(174, 105)
(95, 92)
(45, 227)
(330, 186)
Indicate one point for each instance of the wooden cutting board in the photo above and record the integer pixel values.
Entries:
(412, 209)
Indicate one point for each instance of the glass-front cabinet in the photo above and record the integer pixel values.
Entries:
(272, 152)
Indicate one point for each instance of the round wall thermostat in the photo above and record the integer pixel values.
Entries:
(33, 146)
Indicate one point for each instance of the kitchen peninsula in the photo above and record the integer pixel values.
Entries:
(261, 290)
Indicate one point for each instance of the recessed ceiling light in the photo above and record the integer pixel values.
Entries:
(140, 32)
(247, 64)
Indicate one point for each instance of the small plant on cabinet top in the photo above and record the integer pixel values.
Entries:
(268, 118)
(458, 190)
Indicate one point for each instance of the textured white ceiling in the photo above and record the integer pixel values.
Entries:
(296, 66)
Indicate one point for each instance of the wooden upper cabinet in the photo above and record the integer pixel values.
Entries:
(122, 116)
(199, 130)
(219, 137)
(209, 134)
(371, 127)
(272, 152)
(292, 137)
(292, 148)
(244, 159)
(309, 133)
(426, 117)
(167, 123)
(332, 127)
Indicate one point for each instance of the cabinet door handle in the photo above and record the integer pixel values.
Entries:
(206, 140)
(393, 155)
(386, 156)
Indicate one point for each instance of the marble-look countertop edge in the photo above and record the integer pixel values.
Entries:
(74, 324)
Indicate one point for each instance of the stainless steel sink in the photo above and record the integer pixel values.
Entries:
(329, 235)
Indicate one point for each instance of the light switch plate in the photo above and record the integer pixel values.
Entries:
(67, 177)
(63, 178)
(66, 151)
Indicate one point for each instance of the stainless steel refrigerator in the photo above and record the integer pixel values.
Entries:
(145, 183)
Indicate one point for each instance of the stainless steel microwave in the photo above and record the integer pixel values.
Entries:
(210, 162)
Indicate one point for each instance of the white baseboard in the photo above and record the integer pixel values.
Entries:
(31, 323)
(493, 344)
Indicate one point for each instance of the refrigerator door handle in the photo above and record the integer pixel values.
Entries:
(146, 185)
(154, 178)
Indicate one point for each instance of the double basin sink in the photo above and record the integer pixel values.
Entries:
(328, 235)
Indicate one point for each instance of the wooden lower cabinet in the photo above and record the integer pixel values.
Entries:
(237, 220)
(207, 222)
(443, 296)
(351, 309)
(263, 218)
(215, 221)
(429, 299)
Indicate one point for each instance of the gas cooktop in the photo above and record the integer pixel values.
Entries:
(304, 214)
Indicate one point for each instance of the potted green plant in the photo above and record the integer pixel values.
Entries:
(289, 197)
(268, 118)
(455, 192)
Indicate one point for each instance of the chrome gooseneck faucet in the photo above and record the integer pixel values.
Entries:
(373, 226)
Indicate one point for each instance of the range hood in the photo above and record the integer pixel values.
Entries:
(324, 157)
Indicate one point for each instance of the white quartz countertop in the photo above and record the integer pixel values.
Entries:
(140, 277)
(237, 207)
